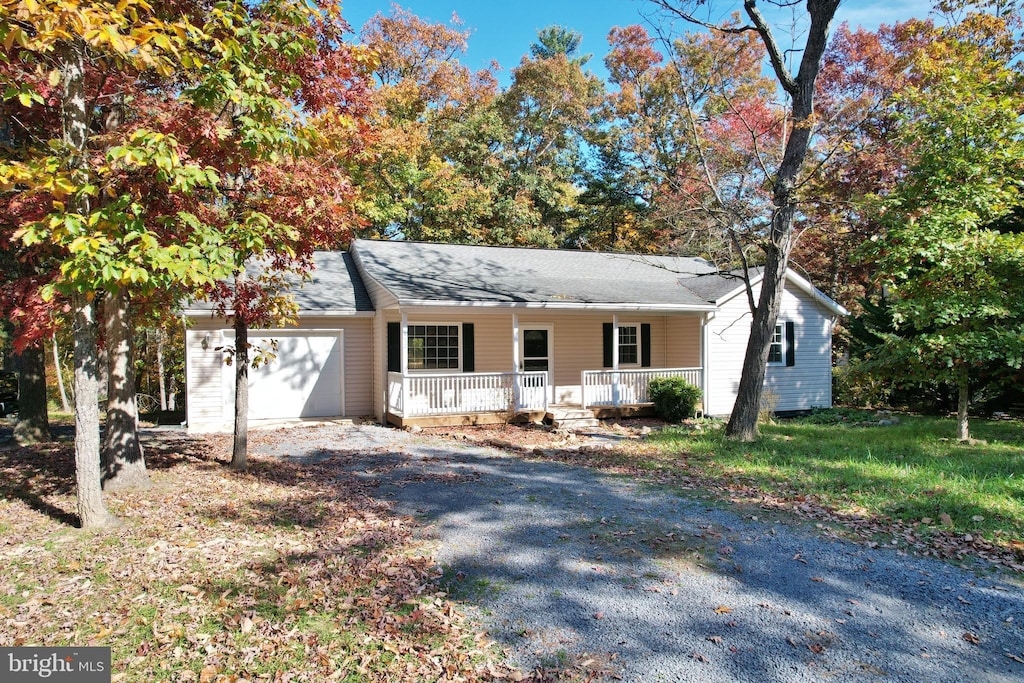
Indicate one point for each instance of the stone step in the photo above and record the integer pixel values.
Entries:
(568, 414)
(575, 423)
(572, 417)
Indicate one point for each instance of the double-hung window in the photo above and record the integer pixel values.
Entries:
(629, 345)
(433, 347)
(775, 354)
(783, 348)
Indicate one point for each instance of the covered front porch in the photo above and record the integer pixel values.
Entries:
(448, 368)
(498, 397)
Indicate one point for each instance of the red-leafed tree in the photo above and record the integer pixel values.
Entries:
(149, 123)
(695, 122)
(784, 181)
(858, 123)
(299, 192)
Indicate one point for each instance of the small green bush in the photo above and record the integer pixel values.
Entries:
(857, 385)
(674, 398)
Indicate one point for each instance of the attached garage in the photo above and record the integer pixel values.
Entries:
(320, 368)
(304, 379)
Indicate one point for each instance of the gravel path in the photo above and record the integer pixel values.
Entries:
(568, 565)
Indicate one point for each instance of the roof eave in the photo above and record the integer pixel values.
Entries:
(801, 283)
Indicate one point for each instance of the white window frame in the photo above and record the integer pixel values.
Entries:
(431, 371)
(780, 335)
(639, 345)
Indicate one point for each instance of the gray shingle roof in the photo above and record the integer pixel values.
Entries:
(714, 286)
(335, 287)
(417, 271)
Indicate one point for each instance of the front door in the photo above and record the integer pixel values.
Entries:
(535, 352)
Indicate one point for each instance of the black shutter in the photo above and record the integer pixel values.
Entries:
(468, 348)
(608, 345)
(645, 345)
(790, 344)
(394, 347)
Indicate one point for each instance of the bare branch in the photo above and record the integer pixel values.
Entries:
(672, 8)
(775, 54)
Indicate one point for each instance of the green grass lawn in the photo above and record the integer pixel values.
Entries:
(912, 471)
(910, 485)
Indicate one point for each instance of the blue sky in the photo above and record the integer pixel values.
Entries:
(505, 30)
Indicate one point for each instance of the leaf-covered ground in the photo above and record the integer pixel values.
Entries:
(285, 573)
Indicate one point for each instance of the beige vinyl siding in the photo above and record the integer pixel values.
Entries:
(683, 341)
(358, 370)
(492, 338)
(578, 346)
(379, 368)
(203, 377)
(807, 384)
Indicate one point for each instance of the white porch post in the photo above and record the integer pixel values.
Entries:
(404, 354)
(381, 337)
(705, 359)
(615, 360)
(515, 361)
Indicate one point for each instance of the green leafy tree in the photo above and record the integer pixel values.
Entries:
(954, 284)
(549, 109)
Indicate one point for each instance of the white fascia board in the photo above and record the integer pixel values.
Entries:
(335, 314)
(556, 305)
(801, 283)
(199, 312)
(816, 293)
(319, 313)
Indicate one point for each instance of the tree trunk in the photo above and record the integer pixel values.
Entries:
(160, 369)
(91, 510)
(172, 396)
(123, 463)
(239, 452)
(33, 423)
(742, 424)
(60, 376)
(92, 513)
(963, 401)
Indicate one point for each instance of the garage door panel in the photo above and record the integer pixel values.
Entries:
(303, 380)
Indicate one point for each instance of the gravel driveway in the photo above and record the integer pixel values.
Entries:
(568, 566)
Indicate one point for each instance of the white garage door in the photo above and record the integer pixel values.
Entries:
(304, 380)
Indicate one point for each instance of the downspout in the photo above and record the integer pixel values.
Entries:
(380, 341)
(831, 331)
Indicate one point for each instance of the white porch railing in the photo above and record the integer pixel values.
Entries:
(466, 392)
(627, 387)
